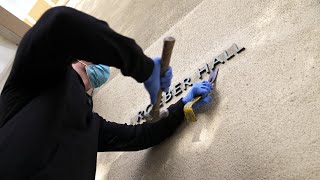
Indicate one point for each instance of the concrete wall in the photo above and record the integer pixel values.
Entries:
(145, 21)
(11, 28)
(19, 8)
(7, 53)
(264, 120)
(30, 11)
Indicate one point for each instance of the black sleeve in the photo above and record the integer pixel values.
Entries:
(63, 35)
(122, 137)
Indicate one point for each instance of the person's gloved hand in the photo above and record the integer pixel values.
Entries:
(165, 80)
(199, 89)
(154, 82)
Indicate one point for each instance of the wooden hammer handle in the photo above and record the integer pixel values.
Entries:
(166, 53)
(165, 61)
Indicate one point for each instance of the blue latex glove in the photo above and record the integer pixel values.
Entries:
(165, 80)
(199, 89)
(154, 82)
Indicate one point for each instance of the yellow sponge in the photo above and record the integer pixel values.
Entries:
(188, 111)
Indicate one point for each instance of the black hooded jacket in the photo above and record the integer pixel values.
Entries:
(47, 127)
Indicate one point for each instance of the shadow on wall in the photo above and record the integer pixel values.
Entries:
(206, 117)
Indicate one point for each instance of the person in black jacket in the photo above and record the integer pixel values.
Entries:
(47, 127)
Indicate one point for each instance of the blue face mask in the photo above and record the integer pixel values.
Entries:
(97, 74)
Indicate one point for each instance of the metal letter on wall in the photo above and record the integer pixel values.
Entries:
(186, 82)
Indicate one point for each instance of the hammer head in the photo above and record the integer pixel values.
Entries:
(152, 119)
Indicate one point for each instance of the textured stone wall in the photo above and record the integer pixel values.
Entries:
(264, 120)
